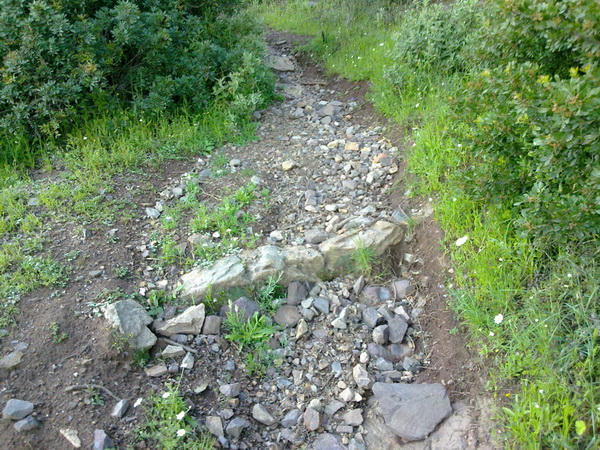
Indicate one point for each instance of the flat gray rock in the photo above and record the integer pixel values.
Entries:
(412, 411)
(27, 424)
(16, 409)
(131, 319)
(287, 316)
(328, 441)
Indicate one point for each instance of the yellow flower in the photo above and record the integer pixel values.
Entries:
(544, 79)
(573, 71)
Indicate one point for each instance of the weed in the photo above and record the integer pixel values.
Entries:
(121, 342)
(364, 258)
(270, 296)
(124, 273)
(141, 357)
(248, 333)
(57, 335)
(155, 301)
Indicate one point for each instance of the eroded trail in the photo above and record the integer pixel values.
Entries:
(357, 362)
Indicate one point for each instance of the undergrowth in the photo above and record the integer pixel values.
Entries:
(526, 291)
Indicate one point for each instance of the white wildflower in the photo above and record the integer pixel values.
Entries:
(498, 319)
(181, 432)
(138, 402)
(181, 415)
(166, 395)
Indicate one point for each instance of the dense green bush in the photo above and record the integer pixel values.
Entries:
(534, 116)
(63, 58)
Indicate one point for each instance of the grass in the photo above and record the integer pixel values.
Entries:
(543, 354)
(364, 259)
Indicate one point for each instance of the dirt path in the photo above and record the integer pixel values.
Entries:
(345, 164)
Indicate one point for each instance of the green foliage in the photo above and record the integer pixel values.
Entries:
(364, 258)
(64, 59)
(57, 335)
(271, 295)
(251, 333)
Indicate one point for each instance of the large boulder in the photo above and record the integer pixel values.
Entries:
(225, 273)
(339, 250)
(412, 411)
(131, 319)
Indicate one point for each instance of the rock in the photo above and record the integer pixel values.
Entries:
(315, 236)
(287, 316)
(225, 273)
(188, 322)
(353, 417)
(288, 165)
(397, 330)
(386, 313)
(212, 325)
(339, 323)
(153, 213)
(411, 365)
(322, 305)
(359, 285)
(312, 419)
(72, 436)
(173, 351)
(235, 162)
(328, 441)
(236, 427)
(120, 408)
(412, 411)
(381, 334)
(276, 235)
(157, 371)
(334, 406)
(230, 390)
(297, 291)
(291, 418)
(301, 329)
(397, 352)
(102, 441)
(379, 237)
(361, 377)
(347, 395)
(27, 424)
(281, 63)
(243, 306)
(188, 362)
(383, 364)
(370, 295)
(352, 146)
(214, 425)
(16, 409)
(301, 264)
(371, 317)
(403, 288)
(11, 360)
(261, 414)
(131, 319)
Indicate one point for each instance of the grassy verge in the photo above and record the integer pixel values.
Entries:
(532, 316)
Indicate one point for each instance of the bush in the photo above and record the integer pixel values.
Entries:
(534, 117)
(63, 58)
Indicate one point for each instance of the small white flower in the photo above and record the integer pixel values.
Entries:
(181, 432)
(498, 319)
(85, 138)
(381, 45)
(138, 402)
(181, 415)
(462, 240)
(492, 333)
(166, 395)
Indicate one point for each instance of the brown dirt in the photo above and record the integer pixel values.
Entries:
(89, 356)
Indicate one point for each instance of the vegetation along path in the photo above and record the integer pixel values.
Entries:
(338, 335)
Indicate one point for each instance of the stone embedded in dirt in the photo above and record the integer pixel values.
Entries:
(411, 365)
(301, 329)
(173, 351)
(322, 305)
(153, 213)
(339, 250)
(383, 364)
(397, 352)
(212, 325)
(131, 319)
(214, 425)
(287, 316)
(102, 441)
(353, 418)
(301, 264)
(188, 362)
(328, 441)
(381, 334)
(361, 377)
(286, 166)
(297, 291)
(261, 414)
(188, 322)
(95, 273)
(334, 406)
(403, 288)
(11, 360)
(312, 419)
(27, 424)
(412, 411)
(16, 409)
(236, 427)
(291, 418)
(72, 436)
(371, 317)
(157, 371)
(316, 236)
(227, 272)
(281, 63)
(120, 408)
(359, 285)
(230, 390)
(397, 330)
(243, 306)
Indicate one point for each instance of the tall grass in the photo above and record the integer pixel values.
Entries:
(533, 317)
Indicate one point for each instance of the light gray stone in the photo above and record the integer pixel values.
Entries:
(236, 427)
(153, 213)
(157, 371)
(381, 334)
(312, 419)
(16, 409)
(131, 319)
(214, 425)
(291, 418)
(11, 360)
(287, 316)
(316, 236)
(397, 330)
(359, 285)
(328, 441)
(334, 406)
(403, 288)
(188, 362)
(102, 441)
(212, 325)
(120, 408)
(297, 291)
(412, 411)
(362, 377)
(281, 63)
(411, 365)
(353, 418)
(261, 414)
(173, 351)
(243, 306)
(230, 390)
(72, 436)
(371, 317)
(322, 305)
(188, 322)
(225, 273)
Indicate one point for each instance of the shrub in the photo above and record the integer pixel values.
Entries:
(64, 58)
